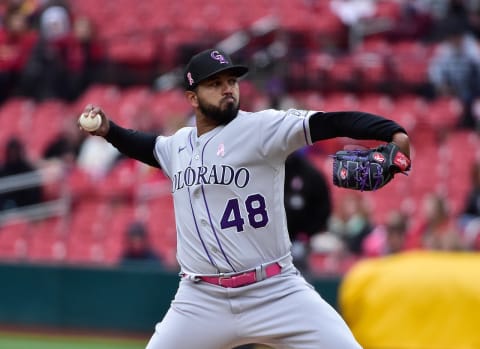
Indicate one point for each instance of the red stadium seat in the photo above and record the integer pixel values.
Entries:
(161, 224)
(80, 184)
(46, 241)
(408, 110)
(444, 113)
(15, 120)
(13, 240)
(88, 227)
(343, 74)
(387, 9)
(104, 95)
(48, 120)
(340, 101)
(373, 71)
(410, 60)
(133, 49)
(120, 183)
(377, 103)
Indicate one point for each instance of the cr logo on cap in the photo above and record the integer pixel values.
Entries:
(218, 57)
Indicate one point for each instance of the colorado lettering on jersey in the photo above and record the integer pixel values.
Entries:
(221, 174)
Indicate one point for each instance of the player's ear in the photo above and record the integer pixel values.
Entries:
(192, 98)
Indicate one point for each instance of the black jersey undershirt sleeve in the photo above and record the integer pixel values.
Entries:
(353, 124)
(134, 144)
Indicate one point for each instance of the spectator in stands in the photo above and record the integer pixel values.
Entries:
(436, 229)
(454, 70)
(414, 21)
(92, 52)
(465, 11)
(351, 12)
(16, 163)
(46, 74)
(97, 157)
(351, 222)
(470, 217)
(137, 246)
(16, 42)
(307, 204)
(472, 206)
(66, 145)
(330, 255)
(388, 238)
(65, 59)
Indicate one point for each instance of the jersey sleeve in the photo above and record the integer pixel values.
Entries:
(283, 132)
(166, 148)
(162, 152)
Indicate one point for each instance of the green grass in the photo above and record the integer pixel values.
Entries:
(11, 340)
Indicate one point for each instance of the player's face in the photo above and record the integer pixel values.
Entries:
(218, 98)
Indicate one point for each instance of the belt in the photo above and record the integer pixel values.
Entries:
(245, 278)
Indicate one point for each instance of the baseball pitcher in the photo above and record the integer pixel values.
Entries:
(237, 281)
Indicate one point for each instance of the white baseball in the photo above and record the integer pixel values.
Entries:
(90, 124)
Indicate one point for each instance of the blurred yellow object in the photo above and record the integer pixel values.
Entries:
(414, 300)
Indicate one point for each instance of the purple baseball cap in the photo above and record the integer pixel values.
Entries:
(208, 63)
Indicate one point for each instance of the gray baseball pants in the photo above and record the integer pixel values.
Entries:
(284, 312)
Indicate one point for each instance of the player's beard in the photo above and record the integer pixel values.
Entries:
(221, 116)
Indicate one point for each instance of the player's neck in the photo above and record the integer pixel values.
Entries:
(204, 124)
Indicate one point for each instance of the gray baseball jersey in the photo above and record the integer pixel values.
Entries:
(228, 185)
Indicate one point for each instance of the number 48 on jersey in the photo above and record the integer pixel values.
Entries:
(256, 213)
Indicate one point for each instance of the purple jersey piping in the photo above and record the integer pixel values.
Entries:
(215, 232)
(305, 130)
(199, 235)
(210, 216)
(195, 219)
